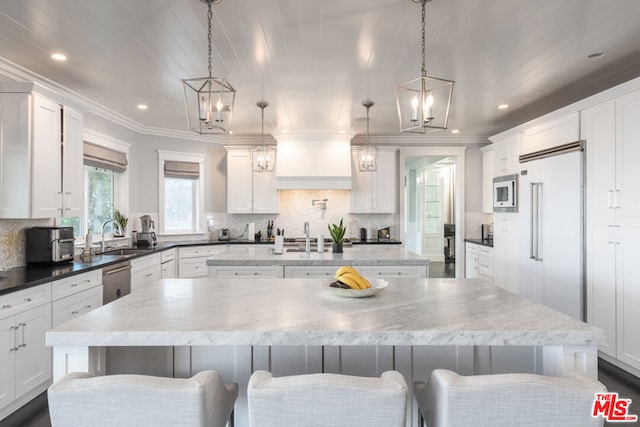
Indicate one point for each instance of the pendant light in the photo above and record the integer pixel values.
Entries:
(209, 100)
(367, 155)
(263, 158)
(423, 103)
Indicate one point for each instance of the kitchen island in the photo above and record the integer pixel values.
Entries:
(295, 326)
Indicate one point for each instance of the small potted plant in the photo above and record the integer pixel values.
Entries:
(337, 233)
(122, 220)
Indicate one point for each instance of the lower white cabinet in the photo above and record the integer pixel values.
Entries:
(193, 260)
(144, 271)
(231, 271)
(25, 361)
(393, 271)
(310, 271)
(506, 250)
(478, 262)
(75, 305)
(168, 264)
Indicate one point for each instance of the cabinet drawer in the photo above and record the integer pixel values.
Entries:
(73, 306)
(485, 266)
(168, 255)
(244, 272)
(192, 267)
(486, 251)
(74, 284)
(309, 271)
(392, 271)
(471, 248)
(19, 301)
(147, 261)
(201, 251)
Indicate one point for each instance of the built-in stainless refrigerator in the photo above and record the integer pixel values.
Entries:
(551, 213)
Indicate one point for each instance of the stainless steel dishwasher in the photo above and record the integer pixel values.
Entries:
(116, 281)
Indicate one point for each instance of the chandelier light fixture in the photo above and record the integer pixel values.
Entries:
(367, 155)
(263, 157)
(209, 100)
(423, 103)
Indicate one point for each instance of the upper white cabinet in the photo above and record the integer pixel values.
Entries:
(505, 155)
(487, 178)
(374, 192)
(40, 154)
(248, 191)
(551, 134)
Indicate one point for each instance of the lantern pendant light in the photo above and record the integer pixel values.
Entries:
(263, 158)
(209, 100)
(424, 102)
(367, 155)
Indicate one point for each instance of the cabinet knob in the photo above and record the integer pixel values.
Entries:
(87, 306)
(27, 299)
(73, 313)
(6, 306)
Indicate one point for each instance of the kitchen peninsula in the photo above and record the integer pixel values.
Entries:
(294, 326)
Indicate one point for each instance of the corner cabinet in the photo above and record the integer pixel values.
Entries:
(41, 156)
(249, 191)
(374, 192)
(611, 131)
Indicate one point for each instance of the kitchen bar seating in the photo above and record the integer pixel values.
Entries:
(506, 400)
(80, 398)
(327, 400)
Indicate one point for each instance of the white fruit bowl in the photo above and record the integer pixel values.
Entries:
(377, 286)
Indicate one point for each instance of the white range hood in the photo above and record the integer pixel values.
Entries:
(313, 161)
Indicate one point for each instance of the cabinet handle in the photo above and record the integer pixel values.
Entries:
(13, 345)
(24, 326)
(610, 204)
(27, 299)
(74, 312)
(618, 199)
(6, 306)
(87, 306)
(73, 285)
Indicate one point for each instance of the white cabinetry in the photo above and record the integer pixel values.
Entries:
(488, 170)
(479, 262)
(243, 272)
(193, 260)
(551, 134)
(145, 270)
(310, 271)
(25, 361)
(393, 271)
(505, 155)
(168, 264)
(612, 131)
(506, 246)
(374, 192)
(248, 191)
(40, 155)
(75, 295)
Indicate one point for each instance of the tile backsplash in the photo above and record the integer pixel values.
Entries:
(12, 240)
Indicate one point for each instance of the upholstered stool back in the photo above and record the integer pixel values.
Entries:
(327, 400)
(81, 399)
(507, 400)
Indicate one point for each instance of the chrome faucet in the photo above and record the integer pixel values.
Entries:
(307, 247)
(104, 224)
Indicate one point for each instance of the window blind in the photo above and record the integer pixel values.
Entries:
(105, 158)
(184, 170)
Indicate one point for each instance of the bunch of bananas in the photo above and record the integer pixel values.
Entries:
(348, 277)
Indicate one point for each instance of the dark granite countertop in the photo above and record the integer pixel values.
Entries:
(483, 242)
(18, 278)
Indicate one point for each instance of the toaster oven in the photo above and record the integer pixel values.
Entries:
(49, 245)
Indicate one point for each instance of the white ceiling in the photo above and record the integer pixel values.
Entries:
(316, 61)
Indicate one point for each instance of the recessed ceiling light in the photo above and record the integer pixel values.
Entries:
(59, 56)
(142, 107)
(503, 106)
(596, 55)
(455, 131)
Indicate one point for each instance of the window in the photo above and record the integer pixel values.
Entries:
(106, 184)
(181, 195)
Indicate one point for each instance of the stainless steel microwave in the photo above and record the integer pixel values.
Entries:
(505, 193)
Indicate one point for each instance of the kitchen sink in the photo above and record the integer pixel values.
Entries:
(126, 252)
(302, 250)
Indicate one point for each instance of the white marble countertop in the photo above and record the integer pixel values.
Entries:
(360, 255)
(194, 312)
